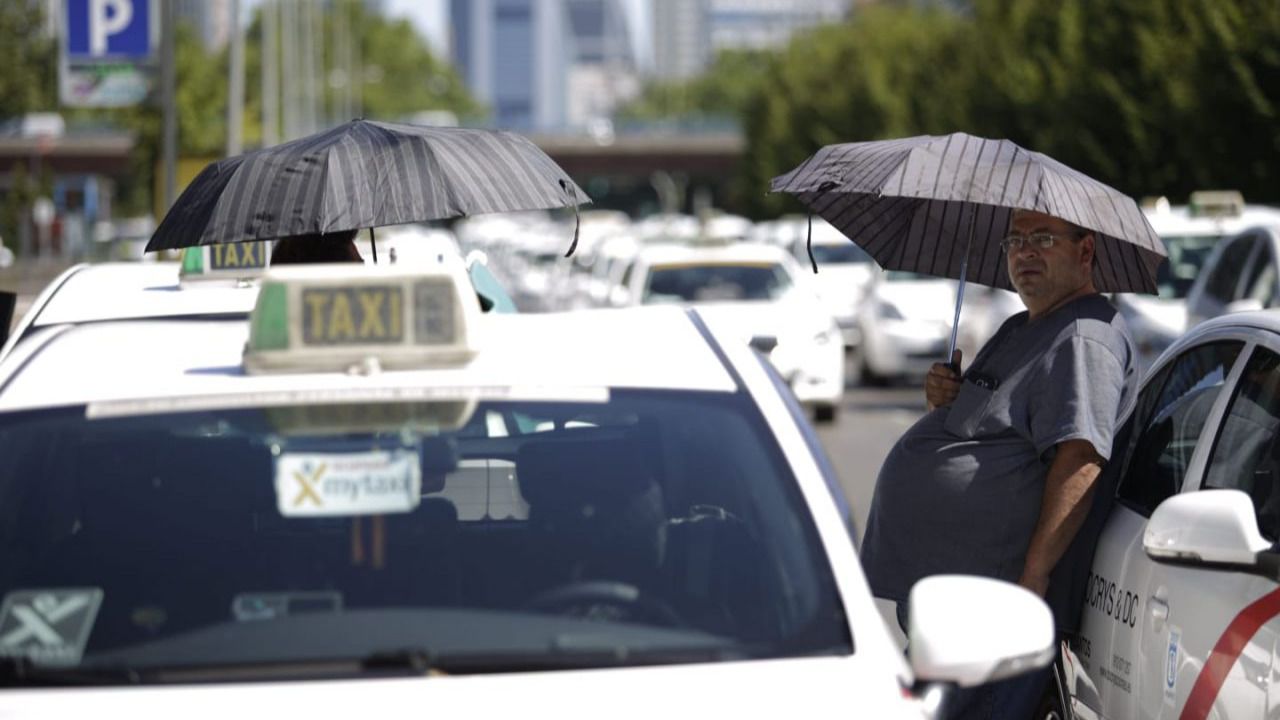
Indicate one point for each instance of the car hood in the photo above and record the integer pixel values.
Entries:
(843, 283)
(786, 317)
(817, 687)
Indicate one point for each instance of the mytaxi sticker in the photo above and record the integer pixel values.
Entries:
(338, 484)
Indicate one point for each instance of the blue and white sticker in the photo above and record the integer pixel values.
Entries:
(348, 484)
(49, 627)
(1171, 666)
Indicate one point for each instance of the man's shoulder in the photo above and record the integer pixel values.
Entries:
(1093, 317)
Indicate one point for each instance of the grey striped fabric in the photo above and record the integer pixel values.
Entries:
(909, 203)
(364, 174)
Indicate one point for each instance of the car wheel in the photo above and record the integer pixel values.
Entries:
(825, 413)
(858, 371)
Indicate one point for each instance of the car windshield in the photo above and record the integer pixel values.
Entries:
(905, 276)
(717, 282)
(1187, 254)
(842, 253)
(659, 526)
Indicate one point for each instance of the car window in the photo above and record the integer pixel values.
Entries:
(719, 282)
(1246, 455)
(1225, 277)
(842, 254)
(655, 522)
(1187, 255)
(1172, 411)
(1261, 282)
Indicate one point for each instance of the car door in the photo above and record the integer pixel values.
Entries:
(1172, 412)
(1196, 613)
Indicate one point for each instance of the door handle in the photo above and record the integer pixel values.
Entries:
(1159, 611)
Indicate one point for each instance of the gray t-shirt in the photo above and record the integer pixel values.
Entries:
(960, 492)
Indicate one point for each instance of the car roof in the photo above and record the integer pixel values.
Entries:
(1264, 320)
(1178, 221)
(121, 291)
(651, 347)
(713, 253)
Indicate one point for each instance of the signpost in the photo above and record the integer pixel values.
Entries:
(107, 52)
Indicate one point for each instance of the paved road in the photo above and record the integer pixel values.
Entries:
(871, 419)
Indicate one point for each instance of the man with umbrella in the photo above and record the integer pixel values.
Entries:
(998, 483)
(999, 477)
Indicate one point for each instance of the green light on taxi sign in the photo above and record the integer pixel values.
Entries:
(193, 261)
(269, 326)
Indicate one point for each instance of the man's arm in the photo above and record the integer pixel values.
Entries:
(1068, 489)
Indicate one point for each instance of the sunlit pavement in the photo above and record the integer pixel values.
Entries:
(871, 419)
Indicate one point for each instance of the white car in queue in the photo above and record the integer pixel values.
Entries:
(904, 326)
(752, 293)
(369, 496)
(217, 281)
(1181, 613)
(844, 270)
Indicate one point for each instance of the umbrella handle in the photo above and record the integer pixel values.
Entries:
(373, 244)
(964, 273)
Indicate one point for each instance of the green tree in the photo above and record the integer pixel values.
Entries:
(890, 71)
(732, 81)
(28, 82)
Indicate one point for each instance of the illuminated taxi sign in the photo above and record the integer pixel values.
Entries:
(233, 261)
(345, 317)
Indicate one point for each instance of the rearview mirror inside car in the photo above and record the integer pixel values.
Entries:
(969, 630)
(1206, 528)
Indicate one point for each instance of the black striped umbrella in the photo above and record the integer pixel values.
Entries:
(916, 203)
(940, 205)
(364, 174)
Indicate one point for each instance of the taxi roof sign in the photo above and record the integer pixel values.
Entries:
(231, 261)
(338, 318)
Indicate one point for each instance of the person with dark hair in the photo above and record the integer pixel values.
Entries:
(335, 247)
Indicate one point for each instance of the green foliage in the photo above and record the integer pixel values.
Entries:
(1151, 96)
(734, 79)
(28, 82)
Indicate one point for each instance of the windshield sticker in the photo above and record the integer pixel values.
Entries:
(50, 627)
(327, 484)
(1171, 667)
(247, 607)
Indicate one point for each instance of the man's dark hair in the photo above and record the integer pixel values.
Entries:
(335, 247)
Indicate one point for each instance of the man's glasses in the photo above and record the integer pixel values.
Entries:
(1014, 242)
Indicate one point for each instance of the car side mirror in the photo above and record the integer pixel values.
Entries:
(970, 630)
(1209, 528)
(619, 296)
(8, 302)
(763, 343)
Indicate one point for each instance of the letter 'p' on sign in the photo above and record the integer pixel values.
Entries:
(108, 29)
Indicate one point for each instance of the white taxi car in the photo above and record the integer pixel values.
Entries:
(371, 497)
(213, 281)
(1181, 614)
(750, 291)
(1191, 234)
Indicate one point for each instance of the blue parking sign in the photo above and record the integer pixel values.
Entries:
(108, 29)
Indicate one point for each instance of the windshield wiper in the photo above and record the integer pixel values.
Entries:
(21, 671)
(579, 657)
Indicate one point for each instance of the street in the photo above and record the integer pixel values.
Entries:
(871, 419)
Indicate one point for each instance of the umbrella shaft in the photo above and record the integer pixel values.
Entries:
(964, 274)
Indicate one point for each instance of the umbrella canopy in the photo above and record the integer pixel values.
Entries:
(364, 174)
(929, 203)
